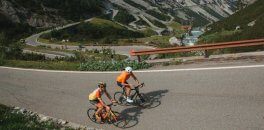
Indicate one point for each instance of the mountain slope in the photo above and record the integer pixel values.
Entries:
(48, 13)
(248, 23)
(196, 12)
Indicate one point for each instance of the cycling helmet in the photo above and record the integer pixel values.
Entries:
(128, 69)
(101, 83)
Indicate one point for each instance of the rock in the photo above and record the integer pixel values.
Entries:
(8, 10)
(22, 110)
(174, 41)
(237, 28)
(251, 24)
(43, 118)
(62, 122)
(16, 108)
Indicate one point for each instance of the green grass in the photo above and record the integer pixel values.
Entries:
(47, 41)
(101, 55)
(102, 23)
(10, 120)
(158, 41)
(92, 65)
(149, 32)
(215, 37)
(96, 32)
(88, 65)
(177, 32)
(174, 25)
(44, 48)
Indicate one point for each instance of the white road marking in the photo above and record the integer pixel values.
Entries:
(142, 71)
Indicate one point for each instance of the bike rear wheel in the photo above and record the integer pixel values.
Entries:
(91, 115)
(120, 97)
(118, 120)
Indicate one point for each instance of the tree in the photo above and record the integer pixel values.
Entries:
(8, 48)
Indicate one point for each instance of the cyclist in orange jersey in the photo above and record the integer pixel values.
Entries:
(122, 81)
(95, 99)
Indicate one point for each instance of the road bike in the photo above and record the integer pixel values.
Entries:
(110, 117)
(138, 98)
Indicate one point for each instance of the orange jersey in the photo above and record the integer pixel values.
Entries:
(95, 94)
(123, 77)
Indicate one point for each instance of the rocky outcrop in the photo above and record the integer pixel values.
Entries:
(248, 2)
(18, 14)
(185, 11)
(7, 9)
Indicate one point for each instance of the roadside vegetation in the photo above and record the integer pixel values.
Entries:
(177, 31)
(11, 119)
(95, 60)
(45, 48)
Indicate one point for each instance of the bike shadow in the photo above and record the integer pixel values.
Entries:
(132, 114)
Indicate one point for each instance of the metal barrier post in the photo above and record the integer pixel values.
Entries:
(206, 54)
(139, 60)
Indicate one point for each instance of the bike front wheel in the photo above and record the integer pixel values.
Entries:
(120, 97)
(118, 120)
(91, 115)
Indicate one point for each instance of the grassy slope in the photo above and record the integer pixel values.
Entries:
(97, 30)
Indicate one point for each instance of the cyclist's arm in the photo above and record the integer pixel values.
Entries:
(135, 78)
(109, 96)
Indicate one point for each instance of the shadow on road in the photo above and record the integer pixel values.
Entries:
(133, 113)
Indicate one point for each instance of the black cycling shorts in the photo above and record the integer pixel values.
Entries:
(94, 102)
(120, 84)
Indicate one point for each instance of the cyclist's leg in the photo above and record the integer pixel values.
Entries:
(123, 88)
(127, 89)
(99, 108)
(99, 111)
(128, 93)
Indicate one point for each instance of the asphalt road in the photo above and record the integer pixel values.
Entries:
(185, 99)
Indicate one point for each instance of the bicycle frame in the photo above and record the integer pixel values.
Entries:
(106, 115)
(134, 89)
(136, 93)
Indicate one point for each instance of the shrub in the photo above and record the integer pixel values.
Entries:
(124, 17)
(2, 61)
(92, 65)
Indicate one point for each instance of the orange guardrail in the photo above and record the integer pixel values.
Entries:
(200, 47)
